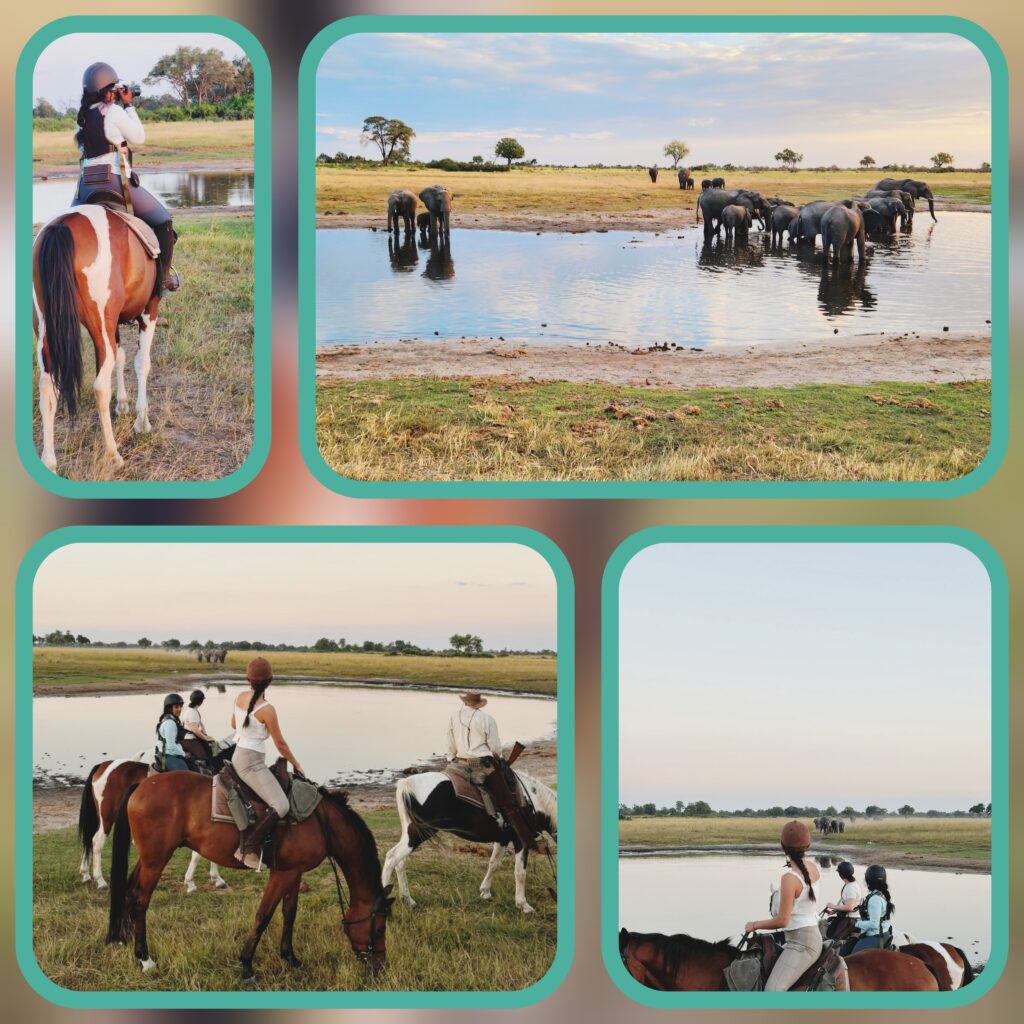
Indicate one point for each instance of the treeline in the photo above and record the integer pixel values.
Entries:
(445, 164)
(702, 809)
(204, 85)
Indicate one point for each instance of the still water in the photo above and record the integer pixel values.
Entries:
(711, 896)
(175, 189)
(344, 734)
(639, 289)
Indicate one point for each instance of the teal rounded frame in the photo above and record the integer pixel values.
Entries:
(655, 489)
(610, 765)
(25, 953)
(262, 212)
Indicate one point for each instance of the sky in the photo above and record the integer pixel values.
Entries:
(296, 593)
(754, 675)
(58, 71)
(733, 98)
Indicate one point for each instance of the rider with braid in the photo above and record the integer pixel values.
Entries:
(875, 924)
(797, 914)
(255, 718)
(170, 755)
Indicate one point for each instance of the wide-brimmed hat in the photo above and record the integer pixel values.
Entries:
(796, 835)
(259, 671)
(473, 699)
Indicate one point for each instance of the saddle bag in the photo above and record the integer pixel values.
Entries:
(744, 974)
(241, 810)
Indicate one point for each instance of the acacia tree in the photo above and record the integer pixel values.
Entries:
(145, 642)
(676, 150)
(906, 811)
(509, 149)
(867, 161)
(789, 158)
(942, 159)
(390, 135)
(195, 75)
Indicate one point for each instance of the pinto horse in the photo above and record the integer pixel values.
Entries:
(173, 809)
(681, 963)
(89, 268)
(427, 804)
(949, 963)
(105, 789)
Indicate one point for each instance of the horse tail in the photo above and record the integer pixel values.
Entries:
(88, 816)
(120, 921)
(418, 829)
(968, 968)
(56, 261)
(934, 973)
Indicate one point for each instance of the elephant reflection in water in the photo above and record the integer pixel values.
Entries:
(719, 254)
(841, 285)
(403, 255)
(440, 265)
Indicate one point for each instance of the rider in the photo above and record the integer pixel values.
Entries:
(850, 895)
(107, 124)
(170, 756)
(473, 741)
(797, 915)
(196, 735)
(255, 718)
(875, 912)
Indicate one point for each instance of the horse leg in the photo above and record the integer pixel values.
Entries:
(99, 840)
(147, 328)
(289, 907)
(216, 877)
(497, 852)
(122, 405)
(190, 873)
(277, 885)
(47, 394)
(103, 330)
(520, 865)
(141, 885)
(394, 864)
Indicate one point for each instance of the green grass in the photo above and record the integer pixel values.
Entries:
(452, 940)
(490, 429)
(98, 668)
(201, 381)
(968, 838)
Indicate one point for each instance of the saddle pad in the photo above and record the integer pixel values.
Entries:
(220, 810)
(141, 230)
(744, 974)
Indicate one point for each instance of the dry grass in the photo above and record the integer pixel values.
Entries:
(201, 382)
(440, 429)
(168, 143)
(570, 190)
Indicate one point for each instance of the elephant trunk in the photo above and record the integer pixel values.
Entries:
(931, 209)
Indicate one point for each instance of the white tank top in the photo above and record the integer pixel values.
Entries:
(254, 735)
(805, 911)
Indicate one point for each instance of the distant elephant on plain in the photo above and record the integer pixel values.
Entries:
(737, 221)
(438, 201)
(220, 654)
(841, 226)
(705, 184)
(781, 218)
(711, 203)
(685, 181)
(653, 172)
(918, 189)
(718, 182)
(401, 203)
(199, 654)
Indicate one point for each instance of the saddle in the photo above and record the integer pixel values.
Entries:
(743, 974)
(468, 790)
(100, 186)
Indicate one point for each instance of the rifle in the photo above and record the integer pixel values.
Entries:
(517, 749)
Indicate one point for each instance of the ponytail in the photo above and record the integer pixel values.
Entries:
(88, 99)
(883, 888)
(257, 692)
(797, 857)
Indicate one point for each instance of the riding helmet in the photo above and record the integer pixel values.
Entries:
(259, 671)
(99, 77)
(795, 836)
(875, 875)
(845, 870)
(172, 699)
(195, 698)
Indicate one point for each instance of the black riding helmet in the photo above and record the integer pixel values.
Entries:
(845, 870)
(172, 699)
(875, 875)
(99, 77)
(195, 698)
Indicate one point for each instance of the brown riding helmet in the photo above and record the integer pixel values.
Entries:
(259, 671)
(795, 835)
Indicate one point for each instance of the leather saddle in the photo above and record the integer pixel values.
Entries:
(828, 963)
(256, 803)
(99, 185)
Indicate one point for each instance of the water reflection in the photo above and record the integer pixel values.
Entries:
(720, 254)
(841, 285)
(440, 265)
(403, 255)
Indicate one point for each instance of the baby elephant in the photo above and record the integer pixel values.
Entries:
(438, 201)
(423, 223)
(705, 184)
(401, 203)
(841, 226)
(737, 221)
(782, 217)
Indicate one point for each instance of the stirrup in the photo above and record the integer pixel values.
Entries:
(172, 281)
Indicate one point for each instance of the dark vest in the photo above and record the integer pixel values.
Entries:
(177, 722)
(864, 915)
(91, 139)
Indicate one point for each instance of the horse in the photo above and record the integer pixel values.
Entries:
(682, 963)
(949, 963)
(89, 268)
(105, 788)
(427, 804)
(173, 809)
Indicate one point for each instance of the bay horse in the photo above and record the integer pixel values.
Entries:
(427, 804)
(105, 788)
(949, 963)
(89, 268)
(173, 809)
(682, 963)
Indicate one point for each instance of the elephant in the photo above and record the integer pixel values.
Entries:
(653, 172)
(907, 219)
(718, 182)
(438, 201)
(737, 220)
(401, 203)
(781, 218)
(199, 654)
(808, 225)
(712, 202)
(881, 217)
(841, 226)
(705, 184)
(685, 180)
(918, 189)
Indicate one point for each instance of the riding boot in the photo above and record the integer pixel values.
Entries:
(257, 845)
(505, 801)
(171, 280)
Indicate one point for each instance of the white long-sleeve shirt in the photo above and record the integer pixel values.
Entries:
(120, 124)
(472, 733)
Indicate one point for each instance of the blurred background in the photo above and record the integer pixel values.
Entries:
(587, 531)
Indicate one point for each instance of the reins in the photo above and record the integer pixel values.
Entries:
(553, 888)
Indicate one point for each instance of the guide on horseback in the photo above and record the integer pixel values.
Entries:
(847, 911)
(473, 745)
(108, 124)
(255, 719)
(170, 755)
(876, 911)
(197, 740)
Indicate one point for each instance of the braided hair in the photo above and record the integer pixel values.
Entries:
(883, 888)
(89, 98)
(797, 857)
(257, 692)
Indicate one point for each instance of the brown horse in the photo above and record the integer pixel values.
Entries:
(681, 963)
(89, 268)
(949, 963)
(173, 809)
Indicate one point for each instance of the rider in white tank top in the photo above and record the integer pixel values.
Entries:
(252, 735)
(804, 914)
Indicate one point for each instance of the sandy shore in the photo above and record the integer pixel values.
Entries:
(862, 359)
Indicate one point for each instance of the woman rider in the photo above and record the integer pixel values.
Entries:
(108, 123)
(255, 718)
(797, 915)
(875, 912)
(847, 910)
(201, 743)
(170, 754)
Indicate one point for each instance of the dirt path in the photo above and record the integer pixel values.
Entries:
(865, 359)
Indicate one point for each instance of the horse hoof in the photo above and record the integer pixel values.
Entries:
(101, 885)
(250, 983)
(409, 901)
(123, 408)
(526, 908)
(116, 461)
(485, 896)
(50, 464)
(190, 887)
(220, 884)
(291, 960)
(142, 426)
(147, 965)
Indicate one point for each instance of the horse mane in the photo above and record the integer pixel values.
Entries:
(675, 949)
(545, 797)
(367, 845)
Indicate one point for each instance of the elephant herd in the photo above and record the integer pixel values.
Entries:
(826, 825)
(841, 224)
(434, 222)
(213, 654)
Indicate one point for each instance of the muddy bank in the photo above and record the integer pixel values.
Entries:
(56, 807)
(864, 359)
(51, 171)
(850, 851)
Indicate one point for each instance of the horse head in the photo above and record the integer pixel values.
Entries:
(367, 933)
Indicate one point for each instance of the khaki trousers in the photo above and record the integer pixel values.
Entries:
(802, 949)
(252, 768)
